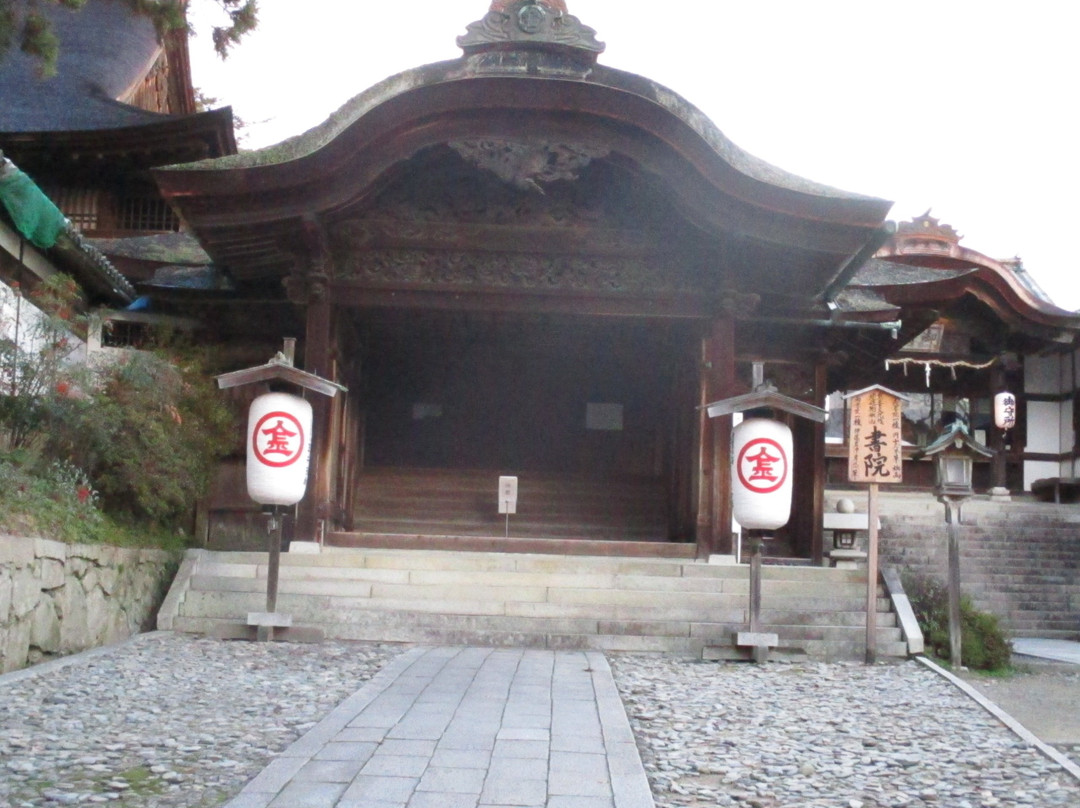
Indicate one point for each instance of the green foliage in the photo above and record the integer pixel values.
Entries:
(55, 501)
(150, 437)
(983, 644)
(37, 360)
(24, 26)
(147, 428)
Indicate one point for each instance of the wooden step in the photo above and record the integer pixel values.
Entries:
(441, 502)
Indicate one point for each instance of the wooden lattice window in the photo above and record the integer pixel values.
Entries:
(146, 213)
(82, 206)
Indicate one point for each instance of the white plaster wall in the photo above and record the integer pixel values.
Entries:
(20, 319)
(1038, 470)
(1044, 427)
(58, 599)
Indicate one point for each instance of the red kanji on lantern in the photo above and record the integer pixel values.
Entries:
(276, 444)
(762, 466)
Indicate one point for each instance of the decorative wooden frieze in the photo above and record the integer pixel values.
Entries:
(525, 164)
(737, 304)
(473, 270)
(529, 22)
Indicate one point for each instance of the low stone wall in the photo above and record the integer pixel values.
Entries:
(57, 599)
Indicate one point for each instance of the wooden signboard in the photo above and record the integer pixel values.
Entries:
(874, 441)
(874, 457)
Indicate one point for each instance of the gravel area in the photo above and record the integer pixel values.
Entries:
(1043, 696)
(810, 735)
(168, 720)
(173, 721)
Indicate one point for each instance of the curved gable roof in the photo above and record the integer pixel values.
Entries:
(525, 94)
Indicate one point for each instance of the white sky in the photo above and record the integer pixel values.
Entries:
(968, 107)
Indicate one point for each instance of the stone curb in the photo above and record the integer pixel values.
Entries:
(1019, 729)
(628, 779)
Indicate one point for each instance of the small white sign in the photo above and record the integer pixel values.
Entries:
(508, 487)
(604, 417)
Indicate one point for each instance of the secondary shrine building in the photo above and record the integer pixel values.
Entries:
(522, 262)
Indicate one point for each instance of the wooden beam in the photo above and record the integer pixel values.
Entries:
(659, 305)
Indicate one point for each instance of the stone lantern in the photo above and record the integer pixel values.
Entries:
(954, 453)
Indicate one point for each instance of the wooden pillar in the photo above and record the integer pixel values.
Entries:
(308, 286)
(998, 473)
(717, 381)
(703, 525)
(816, 461)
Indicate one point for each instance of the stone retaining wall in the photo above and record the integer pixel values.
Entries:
(58, 599)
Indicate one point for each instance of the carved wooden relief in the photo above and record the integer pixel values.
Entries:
(526, 165)
(476, 270)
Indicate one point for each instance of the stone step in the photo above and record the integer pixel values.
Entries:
(1018, 560)
(405, 626)
(497, 600)
(658, 604)
(333, 581)
(333, 559)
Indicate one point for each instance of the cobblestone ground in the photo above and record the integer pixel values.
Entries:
(814, 735)
(168, 720)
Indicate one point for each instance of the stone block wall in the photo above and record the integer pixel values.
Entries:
(58, 599)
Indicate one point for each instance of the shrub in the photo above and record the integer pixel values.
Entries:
(983, 644)
(149, 437)
(38, 356)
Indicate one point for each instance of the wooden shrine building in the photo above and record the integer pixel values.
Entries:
(521, 261)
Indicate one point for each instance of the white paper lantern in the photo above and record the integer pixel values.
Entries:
(278, 448)
(1004, 410)
(761, 474)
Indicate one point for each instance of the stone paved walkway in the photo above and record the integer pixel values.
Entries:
(466, 728)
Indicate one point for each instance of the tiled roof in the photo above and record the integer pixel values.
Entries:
(104, 51)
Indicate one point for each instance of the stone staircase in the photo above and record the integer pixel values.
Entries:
(446, 502)
(552, 601)
(1019, 560)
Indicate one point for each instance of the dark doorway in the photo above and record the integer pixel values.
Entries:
(536, 393)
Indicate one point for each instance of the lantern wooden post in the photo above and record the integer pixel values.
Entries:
(278, 444)
(761, 462)
(874, 457)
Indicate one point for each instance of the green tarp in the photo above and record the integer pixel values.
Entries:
(34, 214)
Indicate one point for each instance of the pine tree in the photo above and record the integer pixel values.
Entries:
(25, 24)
